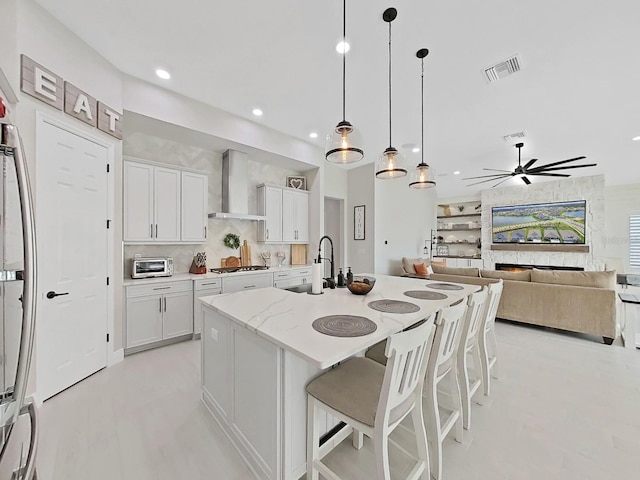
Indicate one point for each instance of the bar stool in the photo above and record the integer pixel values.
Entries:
(487, 338)
(441, 365)
(469, 345)
(374, 399)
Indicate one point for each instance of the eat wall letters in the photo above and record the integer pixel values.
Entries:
(50, 88)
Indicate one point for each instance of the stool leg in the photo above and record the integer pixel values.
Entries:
(381, 449)
(494, 350)
(457, 402)
(434, 432)
(421, 438)
(357, 439)
(313, 443)
(463, 378)
(484, 363)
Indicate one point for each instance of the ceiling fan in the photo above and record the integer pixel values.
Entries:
(523, 170)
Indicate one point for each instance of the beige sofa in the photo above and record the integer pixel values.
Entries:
(582, 302)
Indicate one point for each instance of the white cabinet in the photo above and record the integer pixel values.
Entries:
(195, 193)
(203, 288)
(295, 216)
(287, 212)
(300, 276)
(270, 205)
(238, 283)
(461, 262)
(156, 312)
(164, 205)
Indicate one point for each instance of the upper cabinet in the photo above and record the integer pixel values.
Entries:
(195, 192)
(287, 212)
(164, 205)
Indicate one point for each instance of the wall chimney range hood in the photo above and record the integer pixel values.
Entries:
(235, 188)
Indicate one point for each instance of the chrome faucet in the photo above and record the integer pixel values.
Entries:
(331, 282)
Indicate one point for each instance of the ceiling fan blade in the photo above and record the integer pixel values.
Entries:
(529, 163)
(487, 176)
(501, 182)
(544, 169)
(549, 174)
(496, 170)
(526, 180)
(560, 162)
(489, 180)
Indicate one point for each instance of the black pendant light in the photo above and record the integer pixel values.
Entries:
(391, 164)
(422, 176)
(342, 144)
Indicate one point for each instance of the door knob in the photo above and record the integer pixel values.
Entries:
(52, 294)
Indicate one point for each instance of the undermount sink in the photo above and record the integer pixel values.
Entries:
(302, 288)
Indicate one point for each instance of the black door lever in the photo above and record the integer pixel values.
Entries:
(52, 294)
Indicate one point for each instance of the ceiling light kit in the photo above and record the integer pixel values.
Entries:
(523, 171)
(257, 112)
(391, 162)
(636, 139)
(163, 74)
(415, 149)
(313, 135)
(422, 176)
(341, 144)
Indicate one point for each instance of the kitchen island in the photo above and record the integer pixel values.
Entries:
(259, 351)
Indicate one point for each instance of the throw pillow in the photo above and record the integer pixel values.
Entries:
(421, 269)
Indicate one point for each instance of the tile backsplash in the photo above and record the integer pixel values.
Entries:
(160, 150)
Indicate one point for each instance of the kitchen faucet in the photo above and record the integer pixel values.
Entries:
(331, 282)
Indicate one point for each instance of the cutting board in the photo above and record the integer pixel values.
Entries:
(245, 254)
(298, 254)
(230, 262)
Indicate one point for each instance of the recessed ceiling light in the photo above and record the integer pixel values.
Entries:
(636, 139)
(313, 135)
(343, 47)
(257, 112)
(415, 149)
(163, 74)
(457, 172)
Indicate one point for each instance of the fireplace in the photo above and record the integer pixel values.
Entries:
(512, 267)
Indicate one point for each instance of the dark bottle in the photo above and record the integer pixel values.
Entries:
(349, 276)
(341, 281)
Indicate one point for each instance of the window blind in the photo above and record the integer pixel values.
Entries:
(634, 240)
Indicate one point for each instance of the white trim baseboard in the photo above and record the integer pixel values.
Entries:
(115, 357)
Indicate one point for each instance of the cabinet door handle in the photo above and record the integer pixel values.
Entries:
(249, 286)
(267, 234)
(156, 230)
(160, 300)
(209, 283)
(162, 288)
(205, 232)
(152, 230)
(165, 304)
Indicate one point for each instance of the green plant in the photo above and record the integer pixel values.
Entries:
(232, 240)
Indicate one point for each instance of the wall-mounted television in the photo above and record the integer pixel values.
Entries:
(558, 222)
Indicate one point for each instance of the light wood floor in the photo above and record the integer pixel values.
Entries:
(565, 408)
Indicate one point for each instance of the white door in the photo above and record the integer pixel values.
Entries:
(138, 202)
(71, 215)
(195, 204)
(167, 204)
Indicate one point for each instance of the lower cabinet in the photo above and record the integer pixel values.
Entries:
(461, 262)
(157, 312)
(238, 283)
(203, 288)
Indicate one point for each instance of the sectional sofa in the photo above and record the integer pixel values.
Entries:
(583, 302)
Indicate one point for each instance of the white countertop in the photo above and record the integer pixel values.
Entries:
(193, 276)
(285, 318)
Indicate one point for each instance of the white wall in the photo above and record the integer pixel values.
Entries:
(336, 181)
(404, 219)
(590, 189)
(361, 253)
(620, 202)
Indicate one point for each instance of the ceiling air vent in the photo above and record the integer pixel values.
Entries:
(514, 138)
(502, 69)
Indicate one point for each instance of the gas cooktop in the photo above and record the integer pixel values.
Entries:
(248, 268)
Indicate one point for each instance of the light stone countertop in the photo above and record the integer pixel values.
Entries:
(192, 276)
(285, 318)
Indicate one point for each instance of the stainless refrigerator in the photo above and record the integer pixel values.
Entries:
(18, 416)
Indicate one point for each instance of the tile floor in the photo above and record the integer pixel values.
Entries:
(565, 407)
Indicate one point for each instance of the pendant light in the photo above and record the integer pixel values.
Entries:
(391, 163)
(422, 176)
(341, 144)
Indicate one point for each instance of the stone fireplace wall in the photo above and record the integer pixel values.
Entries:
(590, 189)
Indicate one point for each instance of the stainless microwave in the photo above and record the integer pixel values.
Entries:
(151, 267)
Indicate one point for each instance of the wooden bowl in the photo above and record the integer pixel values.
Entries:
(361, 285)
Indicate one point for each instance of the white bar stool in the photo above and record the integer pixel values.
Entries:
(442, 364)
(487, 338)
(469, 345)
(374, 399)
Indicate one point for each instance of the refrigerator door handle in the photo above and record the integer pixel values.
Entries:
(10, 139)
(28, 471)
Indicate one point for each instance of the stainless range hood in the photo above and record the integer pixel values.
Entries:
(235, 188)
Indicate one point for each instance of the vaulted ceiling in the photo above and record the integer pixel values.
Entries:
(577, 93)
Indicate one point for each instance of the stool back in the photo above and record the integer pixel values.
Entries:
(495, 292)
(474, 318)
(447, 336)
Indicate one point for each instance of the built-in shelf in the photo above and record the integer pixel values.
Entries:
(461, 215)
(457, 229)
(541, 247)
(457, 243)
(468, 257)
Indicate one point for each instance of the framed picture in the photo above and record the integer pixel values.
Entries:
(358, 222)
(299, 183)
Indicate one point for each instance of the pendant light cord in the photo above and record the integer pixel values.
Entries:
(344, 58)
(422, 109)
(390, 85)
